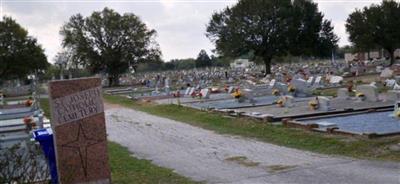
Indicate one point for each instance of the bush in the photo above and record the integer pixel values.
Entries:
(23, 163)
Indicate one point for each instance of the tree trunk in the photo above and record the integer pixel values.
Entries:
(267, 62)
(392, 59)
(113, 80)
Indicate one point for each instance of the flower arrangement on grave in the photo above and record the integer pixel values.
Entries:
(214, 90)
(237, 94)
(28, 102)
(226, 88)
(291, 89)
(360, 95)
(275, 92)
(193, 95)
(280, 102)
(350, 86)
(200, 95)
(29, 123)
(313, 104)
(397, 114)
(177, 94)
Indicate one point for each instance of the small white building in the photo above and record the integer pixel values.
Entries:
(241, 63)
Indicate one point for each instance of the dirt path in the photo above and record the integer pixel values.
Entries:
(206, 156)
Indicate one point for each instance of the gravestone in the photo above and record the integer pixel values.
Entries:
(390, 83)
(386, 73)
(393, 95)
(187, 92)
(79, 128)
(310, 81)
(281, 87)
(317, 81)
(205, 93)
(1, 99)
(167, 86)
(335, 80)
(272, 83)
(370, 92)
(302, 90)
(324, 103)
(396, 86)
(343, 93)
(289, 101)
(192, 90)
(230, 89)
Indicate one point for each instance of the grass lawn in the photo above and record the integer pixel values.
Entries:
(377, 149)
(125, 168)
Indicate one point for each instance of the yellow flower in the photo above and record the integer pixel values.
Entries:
(291, 88)
(360, 94)
(397, 113)
(237, 94)
(313, 104)
(275, 92)
(280, 102)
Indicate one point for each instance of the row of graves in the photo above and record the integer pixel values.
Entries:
(289, 96)
(19, 116)
(19, 153)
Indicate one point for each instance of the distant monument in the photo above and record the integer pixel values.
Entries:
(80, 134)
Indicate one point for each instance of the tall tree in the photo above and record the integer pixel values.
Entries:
(270, 28)
(203, 60)
(377, 25)
(109, 42)
(20, 54)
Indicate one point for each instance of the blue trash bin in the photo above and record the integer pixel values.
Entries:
(45, 138)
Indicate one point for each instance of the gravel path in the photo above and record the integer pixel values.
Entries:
(207, 156)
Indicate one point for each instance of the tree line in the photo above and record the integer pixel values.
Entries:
(112, 43)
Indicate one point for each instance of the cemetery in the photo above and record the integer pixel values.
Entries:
(288, 96)
(283, 97)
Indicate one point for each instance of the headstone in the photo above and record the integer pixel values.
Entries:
(343, 93)
(335, 79)
(192, 90)
(272, 83)
(379, 69)
(2, 99)
(289, 101)
(370, 92)
(230, 89)
(302, 90)
(79, 128)
(396, 86)
(386, 73)
(390, 83)
(324, 103)
(187, 92)
(310, 81)
(282, 87)
(317, 81)
(393, 95)
(205, 93)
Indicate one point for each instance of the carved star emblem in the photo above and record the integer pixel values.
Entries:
(81, 145)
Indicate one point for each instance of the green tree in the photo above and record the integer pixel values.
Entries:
(20, 54)
(270, 28)
(109, 42)
(203, 60)
(377, 25)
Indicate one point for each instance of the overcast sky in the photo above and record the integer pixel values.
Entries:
(180, 24)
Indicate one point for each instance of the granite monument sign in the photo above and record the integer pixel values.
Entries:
(80, 133)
